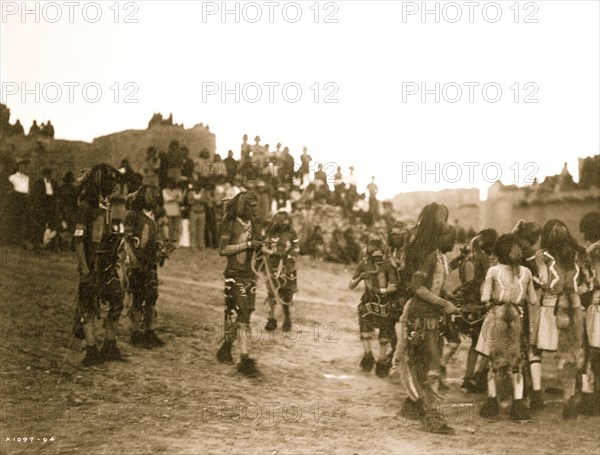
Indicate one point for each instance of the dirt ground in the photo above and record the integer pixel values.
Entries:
(311, 397)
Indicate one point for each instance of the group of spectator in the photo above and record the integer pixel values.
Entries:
(194, 191)
(37, 212)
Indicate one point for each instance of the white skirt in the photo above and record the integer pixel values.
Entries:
(592, 321)
(544, 332)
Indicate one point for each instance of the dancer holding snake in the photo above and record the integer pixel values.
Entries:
(239, 243)
(376, 308)
(281, 249)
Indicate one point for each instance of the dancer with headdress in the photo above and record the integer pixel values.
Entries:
(239, 243)
(419, 351)
(281, 249)
(97, 238)
(590, 378)
(508, 289)
(560, 323)
(375, 308)
(473, 265)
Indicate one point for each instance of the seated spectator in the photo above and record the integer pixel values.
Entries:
(314, 245)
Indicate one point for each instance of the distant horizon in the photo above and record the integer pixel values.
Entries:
(482, 191)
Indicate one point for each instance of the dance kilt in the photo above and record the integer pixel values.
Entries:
(592, 320)
(494, 331)
(375, 312)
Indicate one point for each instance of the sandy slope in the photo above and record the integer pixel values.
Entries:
(311, 398)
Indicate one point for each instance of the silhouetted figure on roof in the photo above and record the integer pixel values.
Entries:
(48, 130)
(17, 128)
(35, 130)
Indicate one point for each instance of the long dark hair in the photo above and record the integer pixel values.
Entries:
(558, 241)
(590, 226)
(428, 235)
(233, 207)
(276, 225)
(90, 189)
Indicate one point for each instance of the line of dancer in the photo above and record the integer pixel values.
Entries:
(515, 301)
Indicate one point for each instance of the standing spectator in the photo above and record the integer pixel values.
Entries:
(43, 205)
(35, 130)
(220, 170)
(304, 171)
(197, 199)
(263, 209)
(184, 236)
(201, 167)
(187, 169)
(338, 188)
(17, 128)
(305, 205)
(174, 161)
(287, 167)
(48, 130)
(163, 171)
(257, 150)
(373, 204)
(245, 151)
(172, 198)
(19, 197)
(231, 166)
(351, 192)
(321, 184)
(151, 167)
(66, 197)
(210, 234)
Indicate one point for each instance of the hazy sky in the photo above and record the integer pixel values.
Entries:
(372, 61)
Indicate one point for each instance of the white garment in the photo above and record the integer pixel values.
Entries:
(352, 180)
(20, 182)
(49, 189)
(184, 238)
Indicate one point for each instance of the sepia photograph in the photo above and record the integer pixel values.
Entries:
(344, 227)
